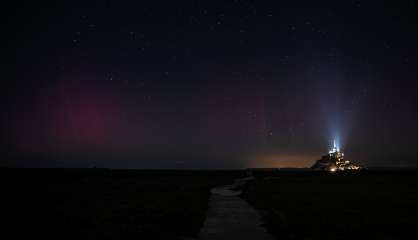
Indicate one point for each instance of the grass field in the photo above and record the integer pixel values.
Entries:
(368, 205)
(107, 204)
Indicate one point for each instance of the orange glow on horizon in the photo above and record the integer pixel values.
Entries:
(284, 160)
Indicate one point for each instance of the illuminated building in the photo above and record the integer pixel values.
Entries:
(334, 161)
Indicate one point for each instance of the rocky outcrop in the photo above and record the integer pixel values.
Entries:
(334, 161)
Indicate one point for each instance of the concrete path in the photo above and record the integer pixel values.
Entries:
(230, 217)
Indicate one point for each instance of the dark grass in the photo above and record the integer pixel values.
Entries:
(364, 205)
(107, 204)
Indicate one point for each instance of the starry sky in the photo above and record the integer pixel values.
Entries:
(209, 84)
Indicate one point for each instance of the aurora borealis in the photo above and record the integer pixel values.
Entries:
(209, 84)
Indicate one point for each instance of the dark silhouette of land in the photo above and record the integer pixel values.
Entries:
(344, 205)
(107, 204)
(169, 204)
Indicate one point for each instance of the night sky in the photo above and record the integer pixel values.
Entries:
(209, 84)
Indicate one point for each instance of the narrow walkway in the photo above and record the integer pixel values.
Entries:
(230, 217)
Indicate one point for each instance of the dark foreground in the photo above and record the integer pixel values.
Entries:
(362, 205)
(107, 204)
(127, 204)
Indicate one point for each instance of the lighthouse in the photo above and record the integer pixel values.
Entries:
(334, 161)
